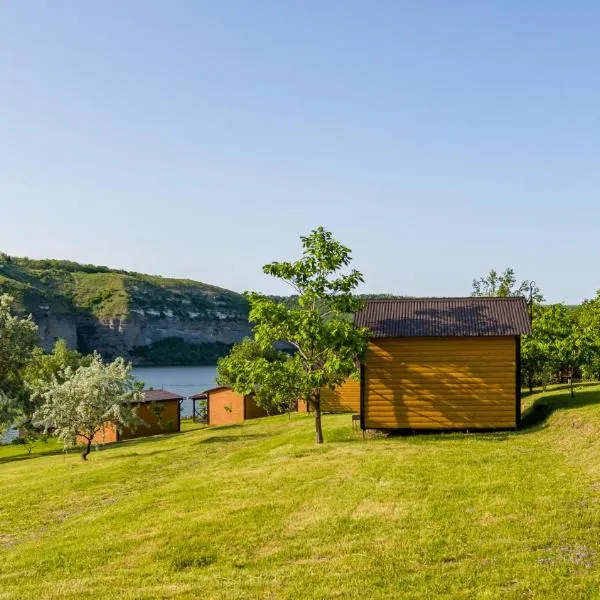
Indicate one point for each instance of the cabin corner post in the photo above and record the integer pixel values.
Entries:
(362, 395)
(518, 382)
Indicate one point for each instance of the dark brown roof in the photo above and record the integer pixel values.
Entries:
(445, 317)
(159, 395)
(203, 395)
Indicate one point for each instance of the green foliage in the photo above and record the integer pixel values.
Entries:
(64, 287)
(18, 338)
(83, 401)
(175, 351)
(274, 377)
(29, 436)
(587, 318)
(327, 345)
(562, 339)
(45, 368)
(505, 285)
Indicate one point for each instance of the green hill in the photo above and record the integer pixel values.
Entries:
(115, 311)
(258, 511)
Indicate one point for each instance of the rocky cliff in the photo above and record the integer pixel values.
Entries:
(119, 313)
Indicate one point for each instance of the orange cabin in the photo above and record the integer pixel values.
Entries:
(159, 409)
(225, 407)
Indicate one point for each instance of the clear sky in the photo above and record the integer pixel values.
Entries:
(200, 139)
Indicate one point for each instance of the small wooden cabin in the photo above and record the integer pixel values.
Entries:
(224, 406)
(159, 409)
(442, 363)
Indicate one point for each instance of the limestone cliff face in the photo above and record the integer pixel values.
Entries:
(117, 336)
(56, 327)
(113, 311)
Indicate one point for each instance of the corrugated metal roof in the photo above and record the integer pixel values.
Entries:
(158, 395)
(445, 317)
(203, 395)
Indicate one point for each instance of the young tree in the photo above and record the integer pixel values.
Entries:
(505, 285)
(587, 319)
(327, 345)
(274, 377)
(18, 338)
(88, 398)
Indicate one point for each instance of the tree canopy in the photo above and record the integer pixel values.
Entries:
(80, 403)
(272, 376)
(18, 339)
(505, 285)
(327, 346)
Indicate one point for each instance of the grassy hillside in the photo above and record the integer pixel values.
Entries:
(258, 511)
(65, 287)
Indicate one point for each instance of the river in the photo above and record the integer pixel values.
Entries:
(181, 380)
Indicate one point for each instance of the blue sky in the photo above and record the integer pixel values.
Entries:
(201, 139)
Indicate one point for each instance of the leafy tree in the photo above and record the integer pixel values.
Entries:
(587, 318)
(543, 352)
(327, 345)
(505, 285)
(88, 398)
(274, 377)
(18, 338)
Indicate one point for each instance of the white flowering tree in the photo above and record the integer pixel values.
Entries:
(83, 401)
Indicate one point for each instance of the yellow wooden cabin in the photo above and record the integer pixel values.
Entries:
(442, 363)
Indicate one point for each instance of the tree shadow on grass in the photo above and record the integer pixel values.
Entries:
(536, 416)
(231, 438)
(22, 457)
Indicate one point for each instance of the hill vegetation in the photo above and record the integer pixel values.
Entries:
(257, 510)
(67, 287)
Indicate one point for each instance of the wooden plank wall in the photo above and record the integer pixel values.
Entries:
(225, 407)
(441, 383)
(343, 399)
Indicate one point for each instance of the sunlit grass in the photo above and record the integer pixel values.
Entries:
(259, 511)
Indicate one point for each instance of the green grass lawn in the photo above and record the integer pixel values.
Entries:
(258, 511)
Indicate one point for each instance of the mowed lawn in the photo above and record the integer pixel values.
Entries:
(259, 511)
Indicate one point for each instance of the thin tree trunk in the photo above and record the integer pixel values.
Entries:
(572, 389)
(318, 427)
(87, 449)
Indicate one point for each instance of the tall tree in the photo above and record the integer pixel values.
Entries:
(18, 338)
(327, 345)
(587, 319)
(273, 377)
(505, 285)
(81, 402)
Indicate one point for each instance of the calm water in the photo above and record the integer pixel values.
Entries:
(181, 380)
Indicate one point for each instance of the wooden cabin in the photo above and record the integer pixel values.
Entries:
(225, 407)
(442, 363)
(159, 409)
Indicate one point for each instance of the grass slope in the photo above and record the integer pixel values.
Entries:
(258, 511)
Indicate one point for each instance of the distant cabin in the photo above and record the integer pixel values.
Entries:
(225, 407)
(442, 363)
(159, 409)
